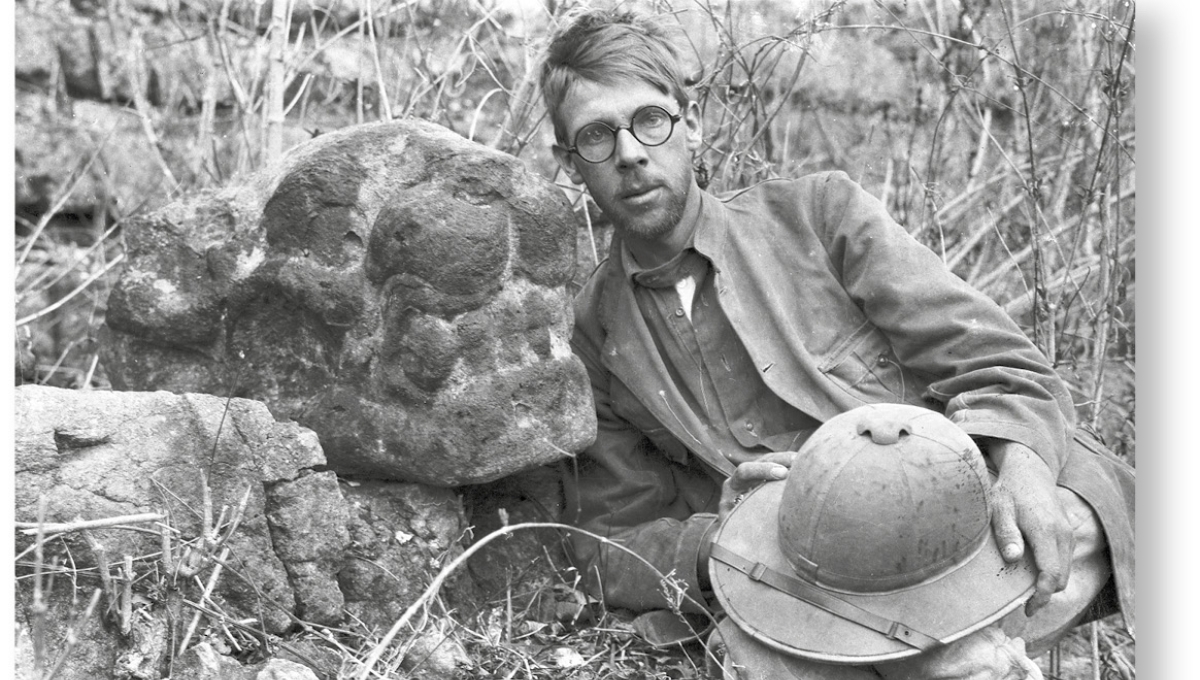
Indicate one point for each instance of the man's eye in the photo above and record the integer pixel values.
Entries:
(652, 118)
(592, 135)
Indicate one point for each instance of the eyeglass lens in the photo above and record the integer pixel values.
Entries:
(651, 125)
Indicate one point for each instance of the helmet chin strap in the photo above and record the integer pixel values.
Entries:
(761, 573)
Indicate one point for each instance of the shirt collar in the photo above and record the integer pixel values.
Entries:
(706, 238)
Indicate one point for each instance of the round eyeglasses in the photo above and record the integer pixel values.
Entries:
(650, 125)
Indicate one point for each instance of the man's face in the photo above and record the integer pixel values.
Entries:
(643, 189)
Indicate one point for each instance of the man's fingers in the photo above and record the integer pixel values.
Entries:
(770, 467)
(1049, 564)
(1004, 525)
(783, 458)
(1038, 530)
(1052, 554)
(749, 475)
(745, 478)
(1047, 585)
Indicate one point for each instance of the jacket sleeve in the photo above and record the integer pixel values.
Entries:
(993, 381)
(624, 489)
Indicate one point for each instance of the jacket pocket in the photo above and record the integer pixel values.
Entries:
(865, 367)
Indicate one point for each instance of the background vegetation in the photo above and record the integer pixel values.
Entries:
(999, 132)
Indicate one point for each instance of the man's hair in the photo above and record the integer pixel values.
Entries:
(607, 46)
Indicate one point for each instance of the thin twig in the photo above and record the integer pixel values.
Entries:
(205, 594)
(87, 378)
(102, 569)
(380, 80)
(37, 610)
(235, 520)
(1103, 316)
(166, 558)
(479, 110)
(127, 597)
(1114, 108)
(280, 12)
(30, 528)
(587, 218)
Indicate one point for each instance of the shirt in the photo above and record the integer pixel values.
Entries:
(708, 362)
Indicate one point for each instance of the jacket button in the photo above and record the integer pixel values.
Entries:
(749, 426)
(679, 311)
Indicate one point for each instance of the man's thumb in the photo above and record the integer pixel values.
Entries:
(1004, 525)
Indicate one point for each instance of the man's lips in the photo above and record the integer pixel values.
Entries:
(639, 193)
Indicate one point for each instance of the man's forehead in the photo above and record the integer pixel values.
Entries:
(587, 100)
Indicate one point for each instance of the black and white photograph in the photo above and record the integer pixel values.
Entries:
(587, 339)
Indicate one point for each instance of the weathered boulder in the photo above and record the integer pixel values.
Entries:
(392, 286)
(97, 455)
(400, 535)
(307, 545)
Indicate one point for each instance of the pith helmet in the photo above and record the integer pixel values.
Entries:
(877, 546)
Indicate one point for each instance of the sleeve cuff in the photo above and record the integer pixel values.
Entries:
(1041, 443)
(691, 563)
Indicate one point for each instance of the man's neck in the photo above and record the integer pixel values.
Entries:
(652, 252)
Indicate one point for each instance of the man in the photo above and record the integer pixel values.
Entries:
(719, 334)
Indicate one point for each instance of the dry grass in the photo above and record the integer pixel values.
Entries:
(1001, 134)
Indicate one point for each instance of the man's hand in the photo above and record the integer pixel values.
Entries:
(1024, 504)
(769, 468)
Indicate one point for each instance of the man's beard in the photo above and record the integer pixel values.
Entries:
(655, 225)
(659, 222)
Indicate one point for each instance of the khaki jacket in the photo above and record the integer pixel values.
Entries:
(838, 306)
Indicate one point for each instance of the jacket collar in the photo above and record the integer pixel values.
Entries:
(712, 229)
(616, 298)
(708, 239)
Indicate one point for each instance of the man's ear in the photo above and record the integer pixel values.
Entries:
(566, 161)
(693, 123)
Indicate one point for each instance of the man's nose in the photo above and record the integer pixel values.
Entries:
(630, 152)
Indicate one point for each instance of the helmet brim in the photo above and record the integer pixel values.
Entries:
(975, 594)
